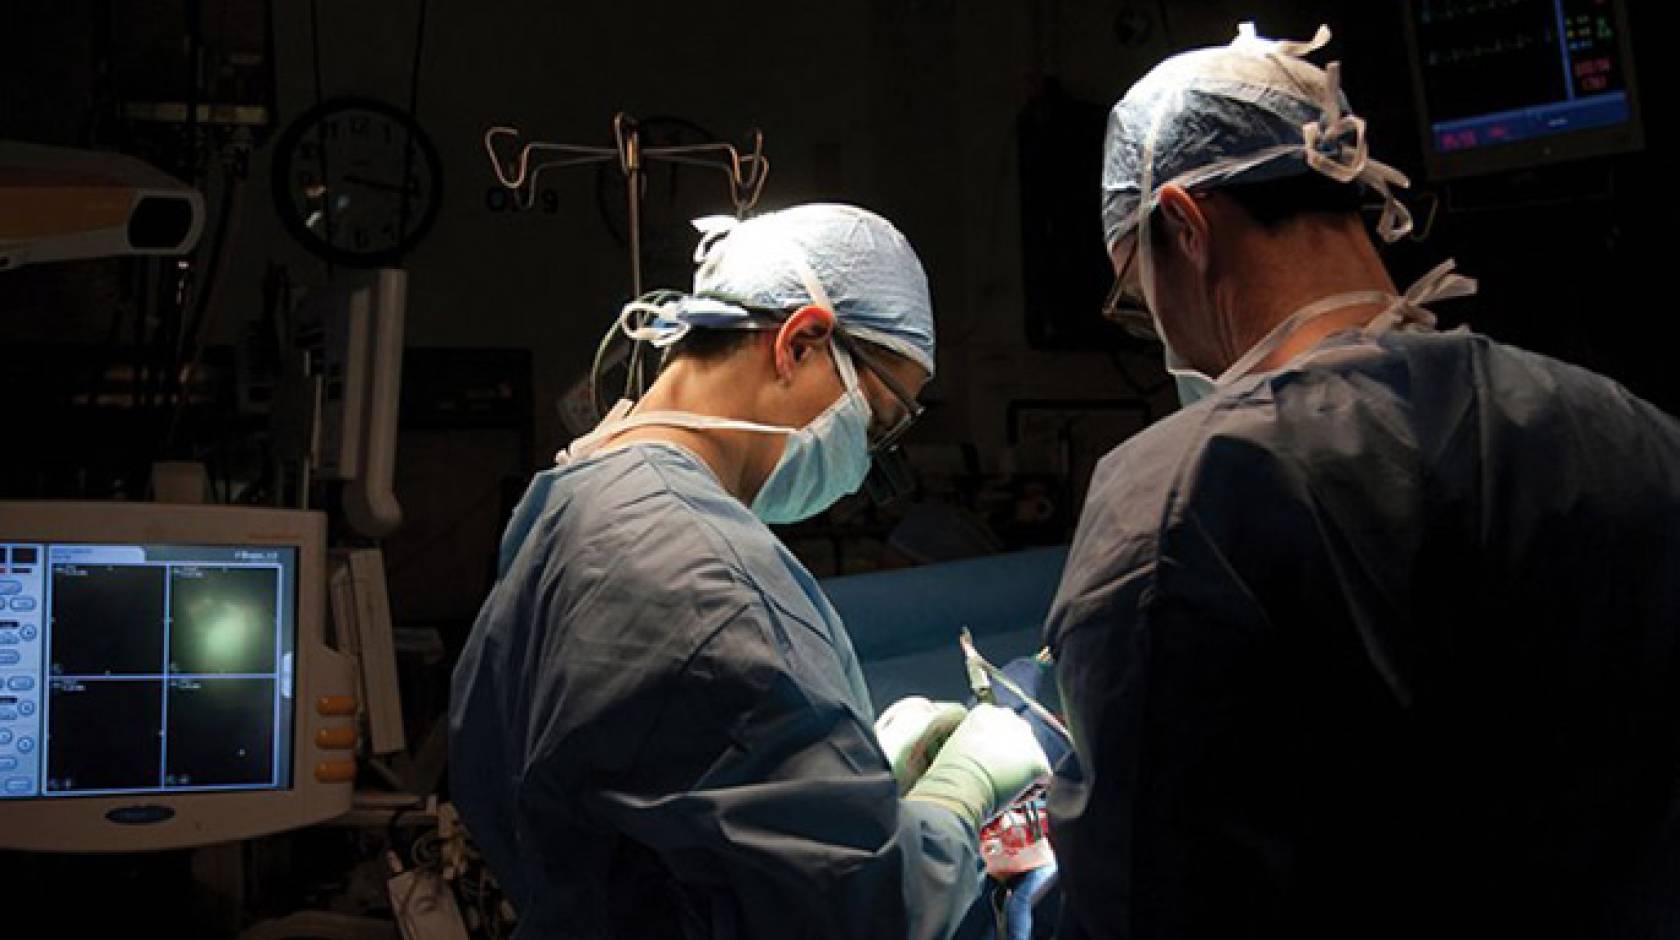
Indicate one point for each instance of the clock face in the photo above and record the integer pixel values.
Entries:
(357, 181)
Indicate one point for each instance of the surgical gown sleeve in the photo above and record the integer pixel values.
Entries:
(772, 806)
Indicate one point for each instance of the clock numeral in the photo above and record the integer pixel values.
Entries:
(329, 130)
(358, 126)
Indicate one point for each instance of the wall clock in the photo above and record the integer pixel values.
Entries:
(357, 181)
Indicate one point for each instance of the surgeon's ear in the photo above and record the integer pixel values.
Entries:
(1186, 225)
(807, 330)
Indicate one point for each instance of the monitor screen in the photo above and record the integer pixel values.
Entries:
(130, 669)
(1521, 76)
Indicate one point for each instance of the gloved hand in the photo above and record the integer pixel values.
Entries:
(987, 762)
(911, 732)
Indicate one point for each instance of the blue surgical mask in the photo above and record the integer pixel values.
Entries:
(823, 460)
(1192, 388)
(1193, 384)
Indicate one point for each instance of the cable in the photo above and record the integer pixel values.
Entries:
(414, 71)
(596, 369)
(315, 46)
(427, 851)
(598, 366)
(204, 299)
(391, 827)
(401, 811)
(194, 14)
(413, 114)
(315, 52)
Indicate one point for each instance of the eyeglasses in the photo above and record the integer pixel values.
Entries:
(912, 411)
(1125, 304)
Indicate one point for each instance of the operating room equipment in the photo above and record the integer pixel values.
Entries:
(746, 174)
(62, 204)
(1015, 846)
(233, 716)
(981, 674)
(979, 681)
(351, 392)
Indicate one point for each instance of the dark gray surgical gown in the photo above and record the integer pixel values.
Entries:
(1384, 644)
(658, 728)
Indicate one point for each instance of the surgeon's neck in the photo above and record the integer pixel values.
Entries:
(741, 460)
(1270, 275)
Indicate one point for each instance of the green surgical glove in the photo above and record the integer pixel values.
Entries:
(990, 759)
(911, 732)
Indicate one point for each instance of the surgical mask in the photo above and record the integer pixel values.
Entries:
(1192, 387)
(823, 460)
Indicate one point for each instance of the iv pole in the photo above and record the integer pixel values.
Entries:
(747, 174)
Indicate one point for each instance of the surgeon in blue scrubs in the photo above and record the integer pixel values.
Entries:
(1378, 636)
(658, 725)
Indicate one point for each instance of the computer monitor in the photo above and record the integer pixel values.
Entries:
(164, 676)
(1508, 84)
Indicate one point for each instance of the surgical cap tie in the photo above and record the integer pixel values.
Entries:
(1443, 282)
(1326, 153)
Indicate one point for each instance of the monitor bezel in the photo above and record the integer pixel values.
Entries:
(1441, 166)
(146, 821)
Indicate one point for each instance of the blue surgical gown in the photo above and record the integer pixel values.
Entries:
(658, 728)
(1383, 644)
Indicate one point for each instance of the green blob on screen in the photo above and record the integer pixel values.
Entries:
(228, 634)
